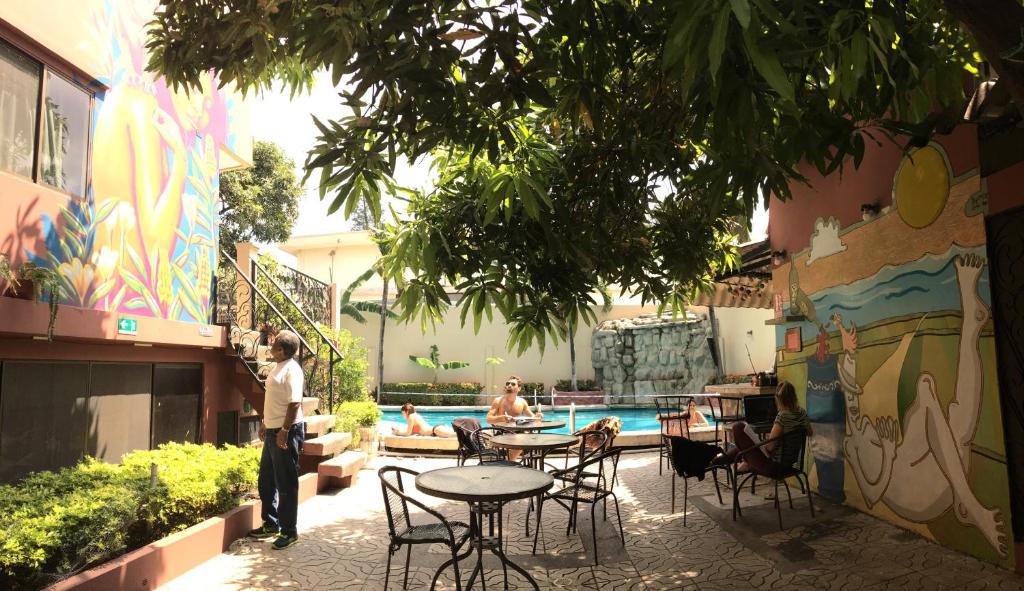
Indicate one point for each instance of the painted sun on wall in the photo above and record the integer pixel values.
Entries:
(144, 239)
(900, 380)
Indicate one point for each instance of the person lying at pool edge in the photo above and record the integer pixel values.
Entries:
(415, 424)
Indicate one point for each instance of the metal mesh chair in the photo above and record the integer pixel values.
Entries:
(402, 532)
(672, 421)
(786, 461)
(585, 483)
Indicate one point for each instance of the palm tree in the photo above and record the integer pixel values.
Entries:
(354, 310)
(606, 305)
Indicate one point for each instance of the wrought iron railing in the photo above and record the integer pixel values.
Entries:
(312, 295)
(254, 308)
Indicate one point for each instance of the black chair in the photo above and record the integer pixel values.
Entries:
(486, 454)
(726, 410)
(473, 441)
(786, 461)
(585, 483)
(403, 533)
(694, 459)
(672, 421)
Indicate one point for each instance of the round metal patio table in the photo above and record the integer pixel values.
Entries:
(485, 488)
(516, 427)
(535, 442)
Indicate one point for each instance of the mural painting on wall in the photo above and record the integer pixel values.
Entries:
(900, 379)
(144, 239)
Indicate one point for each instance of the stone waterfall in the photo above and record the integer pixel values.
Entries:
(652, 355)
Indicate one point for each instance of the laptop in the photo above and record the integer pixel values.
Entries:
(760, 410)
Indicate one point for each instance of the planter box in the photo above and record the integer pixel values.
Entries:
(579, 397)
(161, 561)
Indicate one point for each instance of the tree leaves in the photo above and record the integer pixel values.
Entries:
(577, 144)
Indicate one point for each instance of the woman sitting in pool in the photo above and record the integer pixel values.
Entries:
(417, 425)
(695, 418)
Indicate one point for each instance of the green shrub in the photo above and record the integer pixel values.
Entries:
(354, 414)
(350, 374)
(56, 523)
(431, 394)
(581, 385)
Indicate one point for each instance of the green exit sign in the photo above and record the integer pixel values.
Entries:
(127, 326)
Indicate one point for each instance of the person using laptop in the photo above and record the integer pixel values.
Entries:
(789, 417)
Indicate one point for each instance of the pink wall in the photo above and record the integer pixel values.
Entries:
(840, 195)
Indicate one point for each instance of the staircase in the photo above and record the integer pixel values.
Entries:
(253, 307)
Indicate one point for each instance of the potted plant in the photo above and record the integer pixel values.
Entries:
(360, 417)
(39, 282)
(7, 275)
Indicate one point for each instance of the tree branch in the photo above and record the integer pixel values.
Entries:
(997, 26)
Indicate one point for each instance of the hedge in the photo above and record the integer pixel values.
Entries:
(434, 394)
(581, 386)
(59, 523)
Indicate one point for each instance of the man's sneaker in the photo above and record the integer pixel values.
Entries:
(264, 531)
(284, 541)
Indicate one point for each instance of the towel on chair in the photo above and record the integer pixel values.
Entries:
(692, 458)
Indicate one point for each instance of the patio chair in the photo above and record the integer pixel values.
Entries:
(786, 461)
(693, 459)
(725, 410)
(402, 532)
(474, 445)
(672, 421)
(585, 483)
(486, 454)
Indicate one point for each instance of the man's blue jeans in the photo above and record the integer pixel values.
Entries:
(279, 479)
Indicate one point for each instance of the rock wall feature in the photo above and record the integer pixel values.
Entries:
(638, 357)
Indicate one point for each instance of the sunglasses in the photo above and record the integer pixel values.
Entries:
(512, 383)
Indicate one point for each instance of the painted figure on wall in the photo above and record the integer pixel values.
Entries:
(143, 240)
(824, 397)
(918, 465)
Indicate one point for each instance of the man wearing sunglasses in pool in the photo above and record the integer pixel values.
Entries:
(507, 407)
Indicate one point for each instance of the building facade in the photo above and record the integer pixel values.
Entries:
(743, 340)
(110, 178)
(900, 329)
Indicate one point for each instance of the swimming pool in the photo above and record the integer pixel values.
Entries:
(633, 419)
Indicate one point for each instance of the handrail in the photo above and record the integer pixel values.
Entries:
(297, 307)
(306, 275)
(262, 296)
(313, 295)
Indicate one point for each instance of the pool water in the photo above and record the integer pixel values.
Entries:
(633, 419)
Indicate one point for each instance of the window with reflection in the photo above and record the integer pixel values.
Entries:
(65, 141)
(44, 123)
(19, 104)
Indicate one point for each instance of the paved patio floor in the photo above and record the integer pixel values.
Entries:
(343, 545)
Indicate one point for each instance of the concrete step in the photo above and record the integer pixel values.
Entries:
(319, 424)
(327, 445)
(309, 404)
(342, 470)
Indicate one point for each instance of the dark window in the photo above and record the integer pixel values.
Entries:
(120, 399)
(44, 123)
(45, 423)
(177, 391)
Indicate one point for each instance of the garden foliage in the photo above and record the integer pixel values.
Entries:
(59, 523)
(429, 394)
(354, 414)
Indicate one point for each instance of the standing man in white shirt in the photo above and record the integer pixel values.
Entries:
(283, 432)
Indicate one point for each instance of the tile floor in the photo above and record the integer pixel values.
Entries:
(343, 546)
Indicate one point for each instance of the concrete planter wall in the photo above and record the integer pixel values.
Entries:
(580, 397)
(159, 562)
